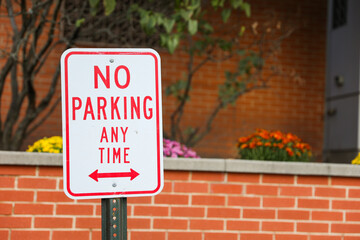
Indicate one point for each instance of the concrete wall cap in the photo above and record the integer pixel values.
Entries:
(204, 164)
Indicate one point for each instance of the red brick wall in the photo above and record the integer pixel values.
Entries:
(288, 105)
(192, 205)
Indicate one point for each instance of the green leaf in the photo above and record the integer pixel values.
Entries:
(192, 26)
(247, 9)
(225, 14)
(109, 6)
(94, 3)
(172, 42)
(79, 22)
(236, 3)
(168, 24)
(242, 30)
(186, 15)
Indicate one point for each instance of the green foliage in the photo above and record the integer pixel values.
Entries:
(238, 82)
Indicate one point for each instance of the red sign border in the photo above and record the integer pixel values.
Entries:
(158, 136)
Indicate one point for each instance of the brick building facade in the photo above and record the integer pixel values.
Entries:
(291, 104)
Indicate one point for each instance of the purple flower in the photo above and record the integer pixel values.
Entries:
(174, 149)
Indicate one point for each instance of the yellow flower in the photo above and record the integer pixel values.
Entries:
(356, 160)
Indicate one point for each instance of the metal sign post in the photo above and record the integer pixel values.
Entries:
(112, 129)
(114, 218)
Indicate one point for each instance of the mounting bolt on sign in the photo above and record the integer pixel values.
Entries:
(112, 123)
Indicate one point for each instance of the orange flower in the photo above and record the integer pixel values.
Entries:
(252, 145)
(243, 139)
(280, 145)
(267, 144)
(244, 146)
(289, 151)
(259, 144)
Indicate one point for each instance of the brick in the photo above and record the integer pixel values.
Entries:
(221, 236)
(17, 170)
(7, 182)
(290, 237)
(295, 191)
(330, 192)
(184, 235)
(170, 223)
(206, 224)
(345, 181)
(223, 212)
(51, 171)
(262, 190)
(207, 200)
(191, 187)
(168, 187)
(208, 176)
(243, 177)
(15, 222)
(4, 234)
(176, 199)
(354, 193)
(88, 222)
(313, 203)
(244, 201)
(151, 211)
(259, 213)
(78, 209)
(139, 200)
(293, 214)
(187, 211)
(242, 225)
(327, 216)
(24, 235)
(52, 196)
(279, 179)
(313, 180)
(255, 236)
(347, 237)
(37, 183)
(312, 227)
(5, 208)
(96, 235)
(278, 202)
(352, 216)
(33, 209)
(16, 196)
(226, 188)
(345, 228)
(138, 223)
(276, 226)
(343, 204)
(70, 235)
(325, 237)
(177, 175)
(153, 235)
(51, 222)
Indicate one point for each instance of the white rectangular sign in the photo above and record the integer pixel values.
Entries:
(112, 123)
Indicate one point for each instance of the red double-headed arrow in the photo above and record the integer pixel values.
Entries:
(132, 174)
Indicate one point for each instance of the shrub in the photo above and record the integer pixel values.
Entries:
(50, 145)
(273, 145)
(54, 145)
(175, 149)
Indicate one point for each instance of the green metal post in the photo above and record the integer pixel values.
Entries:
(114, 219)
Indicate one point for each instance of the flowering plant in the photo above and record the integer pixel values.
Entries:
(51, 145)
(54, 145)
(273, 145)
(175, 149)
(356, 160)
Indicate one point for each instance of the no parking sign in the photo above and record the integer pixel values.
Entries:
(112, 123)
